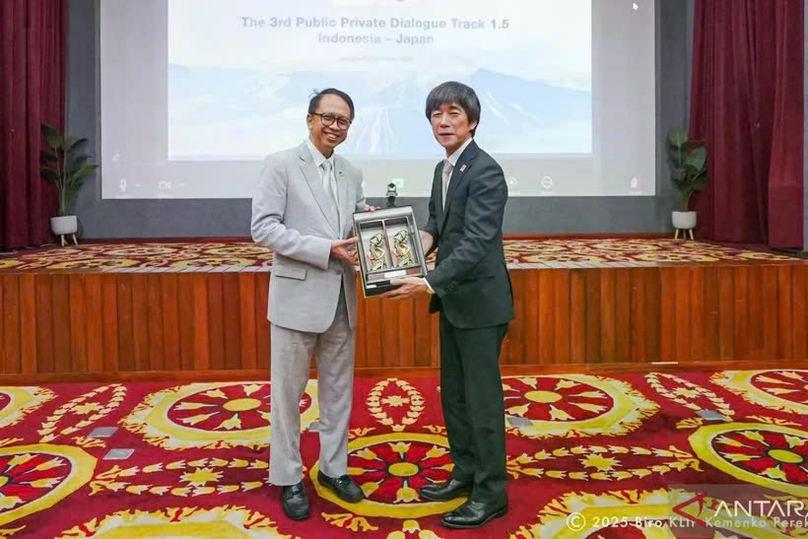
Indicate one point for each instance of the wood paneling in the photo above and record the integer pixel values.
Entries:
(710, 332)
(109, 315)
(112, 324)
(43, 315)
(94, 316)
(608, 295)
(12, 330)
(186, 317)
(406, 342)
(653, 314)
(562, 320)
(577, 297)
(261, 324)
(140, 322)
(638, 318)
(172, 355)
(423, 335)
(214, 315)
(799, 325)
(683, 300)
(125, 323)
(78, 323)
(61, 323)
(154, 310)
(546, 318)
(726, 304)
(622, 315)
(231, 313)
(592, 335)
(667, 314)
(246, 302)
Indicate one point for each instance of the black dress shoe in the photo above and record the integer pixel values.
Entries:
(449, 490)
(344, 487)
(295, 502)
(473, 514)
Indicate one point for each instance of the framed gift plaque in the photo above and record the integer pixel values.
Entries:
(389, 247)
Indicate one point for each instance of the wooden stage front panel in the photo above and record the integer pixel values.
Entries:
(116, 324)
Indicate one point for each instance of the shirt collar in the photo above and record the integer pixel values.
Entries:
(456, 155)
(319, 158)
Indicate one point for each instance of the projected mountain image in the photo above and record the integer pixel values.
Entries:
(224, 114)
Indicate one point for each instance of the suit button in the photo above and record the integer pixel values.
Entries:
(337, 272)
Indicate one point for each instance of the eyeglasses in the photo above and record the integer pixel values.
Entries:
(329, 119)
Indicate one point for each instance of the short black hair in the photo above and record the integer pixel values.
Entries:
(317, 96)
(452, 92)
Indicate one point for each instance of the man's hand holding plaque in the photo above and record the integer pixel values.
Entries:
(388, 249)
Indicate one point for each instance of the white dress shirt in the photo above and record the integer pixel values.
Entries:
(328, 177)
(453, 160)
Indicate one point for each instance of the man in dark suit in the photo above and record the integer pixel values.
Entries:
(472, 290)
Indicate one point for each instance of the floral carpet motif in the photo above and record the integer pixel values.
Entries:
(247, 256)
(212, 415)
(587, 456)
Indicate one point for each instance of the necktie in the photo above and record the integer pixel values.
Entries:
(447, 175)
(330, 186)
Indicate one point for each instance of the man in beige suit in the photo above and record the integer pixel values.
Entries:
(302, 210)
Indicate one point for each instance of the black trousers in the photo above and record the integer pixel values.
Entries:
(473, 408)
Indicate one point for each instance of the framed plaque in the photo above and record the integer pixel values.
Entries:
(389, 247)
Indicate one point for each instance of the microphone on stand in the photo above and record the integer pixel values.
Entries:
(392, 193)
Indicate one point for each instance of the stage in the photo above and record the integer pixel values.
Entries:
(197, 310)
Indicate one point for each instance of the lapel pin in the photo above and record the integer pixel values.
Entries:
(462, 167)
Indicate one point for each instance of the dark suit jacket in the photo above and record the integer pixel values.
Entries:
(471, 282)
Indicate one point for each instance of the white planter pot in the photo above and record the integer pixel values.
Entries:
(684, 220)
(64, 225)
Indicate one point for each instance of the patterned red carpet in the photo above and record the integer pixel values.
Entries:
(589, 456)
(247, 256)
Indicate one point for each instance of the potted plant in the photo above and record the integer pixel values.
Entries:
(66, 166)
(689, 174)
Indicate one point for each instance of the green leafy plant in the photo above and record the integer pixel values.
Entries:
(66, 166)
(688, 165)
